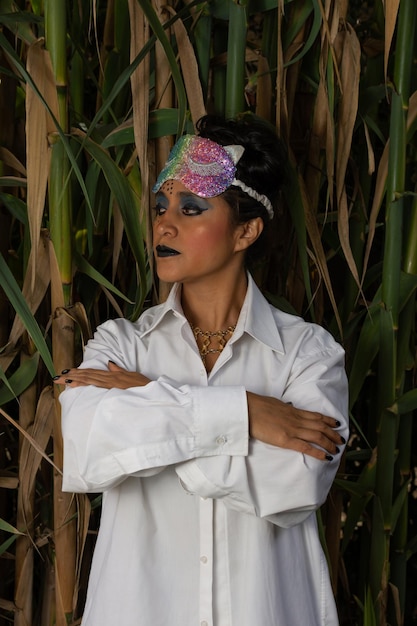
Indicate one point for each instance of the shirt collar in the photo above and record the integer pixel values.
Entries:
(256, 317)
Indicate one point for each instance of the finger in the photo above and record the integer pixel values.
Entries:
(316, 453)
(325, 424)
(113, 367)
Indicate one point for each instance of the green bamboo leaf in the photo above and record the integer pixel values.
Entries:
(369, 616)
(355, 488)
(85, 267)
(12, 181)
(314, 32)
(14, 58)
(368, 344)
(407, 402)
(364, 488)
(120, 187)
(162, 122)
(19, 304)
(159, 31)
(16, 207)
(19, 22)
(20, 379)
(6, 544)
(8, 528)
(296, 207)
(398, 504)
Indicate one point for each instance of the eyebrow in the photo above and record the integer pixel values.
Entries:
(184, 195)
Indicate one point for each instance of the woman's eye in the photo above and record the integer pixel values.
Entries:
(159, 210)
(192, 209)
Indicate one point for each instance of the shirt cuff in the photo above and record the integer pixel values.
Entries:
(221, 421)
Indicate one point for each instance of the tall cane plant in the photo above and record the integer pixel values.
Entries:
(92, 97)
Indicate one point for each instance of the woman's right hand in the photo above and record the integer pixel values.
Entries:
(280, 424)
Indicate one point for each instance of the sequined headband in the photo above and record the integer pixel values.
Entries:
(206, 168)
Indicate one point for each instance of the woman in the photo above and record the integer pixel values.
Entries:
(213, 425)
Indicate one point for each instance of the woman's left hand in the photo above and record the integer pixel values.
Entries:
(114, 377)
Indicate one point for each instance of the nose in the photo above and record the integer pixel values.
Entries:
(165, 224)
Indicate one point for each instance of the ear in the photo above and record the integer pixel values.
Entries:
(248, 233)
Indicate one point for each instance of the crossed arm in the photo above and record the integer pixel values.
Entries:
(270, 420)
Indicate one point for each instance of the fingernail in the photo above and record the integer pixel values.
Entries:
(337, 450)
(112, 362)
(64, 371)
(68, 381)
(343, 439)
(55, 377)
(329, 458)
(338, 424)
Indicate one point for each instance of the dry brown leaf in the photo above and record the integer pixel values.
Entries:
(320, 257)
(139, 35)
(8, 480)
(39, 125)
(41, 432)
(31, 440)
(83, 506)
(12, 161)
(391, 12)
(320, 138)
(189, 68)
(371, 153)
(29, 462)
(76, 314)
(349, 52)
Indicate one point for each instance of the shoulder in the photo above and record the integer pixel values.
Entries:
(309, 338)
(122, 327)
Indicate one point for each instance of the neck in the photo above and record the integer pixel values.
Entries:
(216, 306)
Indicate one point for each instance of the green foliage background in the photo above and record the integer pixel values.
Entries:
(92, 96)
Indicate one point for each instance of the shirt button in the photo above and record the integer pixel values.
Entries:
(221, 440)
(203, 559)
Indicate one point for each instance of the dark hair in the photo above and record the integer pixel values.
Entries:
(262, 167)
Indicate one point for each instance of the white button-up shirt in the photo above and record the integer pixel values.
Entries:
(202, 525)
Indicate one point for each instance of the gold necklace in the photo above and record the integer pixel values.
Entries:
(222, 337)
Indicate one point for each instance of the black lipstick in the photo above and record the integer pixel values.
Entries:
(163, 251)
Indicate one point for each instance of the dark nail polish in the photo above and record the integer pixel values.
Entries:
(68, 381)
(337, 450)
(112, 362)
(329, 458)
(55, 377)
(338, 424)
(64, 371)
(343, 439)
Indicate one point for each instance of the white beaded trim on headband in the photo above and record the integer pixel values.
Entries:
(256, 196)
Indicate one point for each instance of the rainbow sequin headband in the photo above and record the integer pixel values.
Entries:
(206, 169)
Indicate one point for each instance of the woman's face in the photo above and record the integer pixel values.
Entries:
(193, 237)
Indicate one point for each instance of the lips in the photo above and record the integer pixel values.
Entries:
(164, 251)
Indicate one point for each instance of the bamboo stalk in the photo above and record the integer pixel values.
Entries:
(387, 435)
(235, 72)
(62, 335)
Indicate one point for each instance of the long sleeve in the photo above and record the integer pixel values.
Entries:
(281, 485)
(112, 434)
